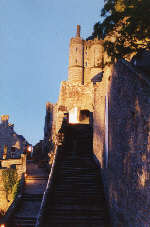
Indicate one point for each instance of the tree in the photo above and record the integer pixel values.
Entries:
(128, 21)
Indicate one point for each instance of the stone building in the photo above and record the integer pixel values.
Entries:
(12, 145)
(118, 96)
(76, 94)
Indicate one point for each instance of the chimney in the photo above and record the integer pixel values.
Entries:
(5, 151)
(78, 31)
(4, 120)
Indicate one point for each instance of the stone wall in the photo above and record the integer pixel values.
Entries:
(21, 168)
(74, 95)
(19, 163)
(126, 175)
(100, 92)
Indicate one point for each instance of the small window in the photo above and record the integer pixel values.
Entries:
(76, 49)
(76, 61)
(86, 63)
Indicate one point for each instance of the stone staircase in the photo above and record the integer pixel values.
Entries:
(26, 213)
(77, 196)
(24, 221)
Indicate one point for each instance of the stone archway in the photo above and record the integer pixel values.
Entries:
(84, 116)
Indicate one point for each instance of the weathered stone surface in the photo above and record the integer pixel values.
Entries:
(11, 144)
(20, 165)
(125, 164)
(126, 175)
(85, 59)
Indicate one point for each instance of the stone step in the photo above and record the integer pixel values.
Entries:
(32, 196)
(36, 178)
(84, 177)
(77, 198)
(24, 221)
(79, 185)
(75, 219)
(72, 201)
(82, 170)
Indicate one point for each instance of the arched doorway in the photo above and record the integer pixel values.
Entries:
(84, 116)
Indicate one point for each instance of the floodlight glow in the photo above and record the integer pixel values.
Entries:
(2, 225)
(30, 148)
(73, 115)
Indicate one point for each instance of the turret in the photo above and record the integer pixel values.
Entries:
(97, 51)
(75, 71)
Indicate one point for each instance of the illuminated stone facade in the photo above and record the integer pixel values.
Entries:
(20, 166)
(85, 61)
(124, 158)
(121, 126)
(11, 144)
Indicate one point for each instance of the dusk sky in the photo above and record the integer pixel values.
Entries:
(34, 48)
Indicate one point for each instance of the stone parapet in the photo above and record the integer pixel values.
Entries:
(20, 164)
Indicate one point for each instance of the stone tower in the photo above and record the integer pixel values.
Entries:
(93, 58)
(77, 93)
(85, 58)
(75, 71)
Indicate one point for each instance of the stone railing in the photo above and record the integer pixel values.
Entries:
(49, 188)
(6, 220)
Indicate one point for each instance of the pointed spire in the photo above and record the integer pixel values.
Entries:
(78, 31)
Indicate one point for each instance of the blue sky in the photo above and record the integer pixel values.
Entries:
(34, 46)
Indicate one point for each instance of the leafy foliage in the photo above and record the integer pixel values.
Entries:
(9, 177)
(128, 21)
(16, 189)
